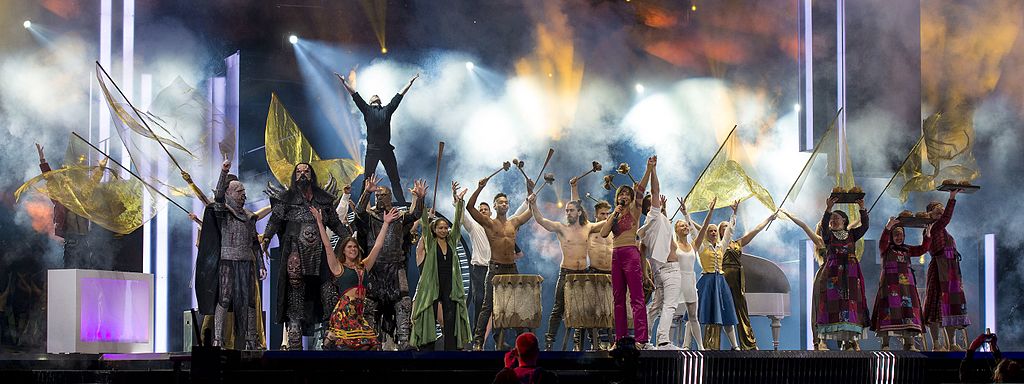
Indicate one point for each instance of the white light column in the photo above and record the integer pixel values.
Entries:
(990, 282)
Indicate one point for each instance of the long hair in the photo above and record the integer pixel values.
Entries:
(340, 255)
(582, 218)
(312, 176)
(622, 188)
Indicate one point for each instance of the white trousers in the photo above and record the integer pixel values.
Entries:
(667, 283)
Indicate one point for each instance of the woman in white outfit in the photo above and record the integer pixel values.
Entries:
(686, 253)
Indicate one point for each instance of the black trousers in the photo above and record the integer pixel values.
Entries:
(386, 156)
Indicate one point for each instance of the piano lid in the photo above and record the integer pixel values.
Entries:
(763, 275)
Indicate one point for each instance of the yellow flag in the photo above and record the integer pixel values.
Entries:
(115, 204)
(286, 147)
(845, 179)
(726, 180)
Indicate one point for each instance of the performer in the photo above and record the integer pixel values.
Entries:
(378, 134)
(70, 227)
(228, 263)
(501, 234)
(844, 314)
(480, 253)
(945, 304)
(733, 271)
(897, 307)
(572, 236)
(440, 282)
(716, 305)
(818, 286)
(297, 302)
(599, 254)
(686, 253)
(389, 280)
(348, 328)
(656, 236)
(627, 266)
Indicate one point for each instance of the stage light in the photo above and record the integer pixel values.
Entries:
(693, 8)
(293, 39)
(383, 50)
(796, 107)
(639, 88)
(27, 24)
(469, 65)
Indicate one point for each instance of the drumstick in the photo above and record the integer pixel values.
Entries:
(551, 152)
(548, 179)
(595, 166)
(519, 164)
(592, 198)
(504, 167)
(437, 175)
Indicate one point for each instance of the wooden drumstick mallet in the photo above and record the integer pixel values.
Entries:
(624, 169)
(592, 198)
(549, 178)
(519, 164)
(551, 152)
(504, 167)
(437, 175)
(595, 167)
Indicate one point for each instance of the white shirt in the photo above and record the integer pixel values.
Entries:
(477, 236)
(657, 235)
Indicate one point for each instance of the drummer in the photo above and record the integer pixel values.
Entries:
(573, 237)
(501, 234)
(599, 249)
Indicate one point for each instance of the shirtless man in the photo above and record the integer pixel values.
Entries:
(501, 235)
(573, 237)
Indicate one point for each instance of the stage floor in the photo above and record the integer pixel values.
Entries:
(212, 365)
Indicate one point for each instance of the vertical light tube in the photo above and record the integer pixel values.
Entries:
(808, 107)
(105, 36)
(841, 81)
(128, 65)
(990, 282)
(809, 253)
(145, 98)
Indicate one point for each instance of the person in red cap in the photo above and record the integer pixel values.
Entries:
(521, 363)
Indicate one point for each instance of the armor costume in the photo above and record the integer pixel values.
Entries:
(388, 281)
(298, 301)
(227, 267)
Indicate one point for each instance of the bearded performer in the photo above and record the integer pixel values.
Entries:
(228, 262)
(297, 302)
(388, 288)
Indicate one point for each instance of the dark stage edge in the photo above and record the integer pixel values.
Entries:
(480, 367)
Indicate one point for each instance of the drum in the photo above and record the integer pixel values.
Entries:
(588, 301)
(516, 301)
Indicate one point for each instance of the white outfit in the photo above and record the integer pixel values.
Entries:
(688, 278)
(657, 236)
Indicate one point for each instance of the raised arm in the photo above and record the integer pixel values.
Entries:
(371, 257)
(460, 203)
(419, 190)
(346, 86)
(332, 261)
(926, 244)
(886, 237)
(814, 237)
(521, 218)
(345, 204)
(753, 232)
(859, 232)
(426, 238)
(478, 217)
(727, 233)
(652, 166)
(823, 230)
(549, 225)
(947, 213)
(699, 241)
(574, 190)
(407, 86)
(222, 182)
(369, 187)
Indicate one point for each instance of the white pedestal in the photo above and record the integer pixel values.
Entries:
(99, 311)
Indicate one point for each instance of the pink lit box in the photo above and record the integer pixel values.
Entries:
(99, 311)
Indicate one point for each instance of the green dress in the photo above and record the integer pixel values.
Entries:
(424, 321)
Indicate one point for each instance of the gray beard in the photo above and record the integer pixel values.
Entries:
(236, 207)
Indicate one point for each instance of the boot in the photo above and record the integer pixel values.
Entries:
(218, 325)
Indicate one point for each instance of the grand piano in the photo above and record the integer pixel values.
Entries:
(767, 291)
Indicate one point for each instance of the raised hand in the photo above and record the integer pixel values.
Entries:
(391, 216)
(573, 180)
(347, 189)
(860, 203)
(317, 215)
(664, 201)
(682, 204)
(39, 149)
(735, 206)
(483, 182)
(532, 198)
(952, 192)
(830, 202)
(891, 223)
(462, 193)
(226, 165)
(370, 185)
(419, 188)
(103, 162)
(652, 161)
(530, 184)
(711, 207)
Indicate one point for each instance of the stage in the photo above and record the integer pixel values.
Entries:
(213, 365)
